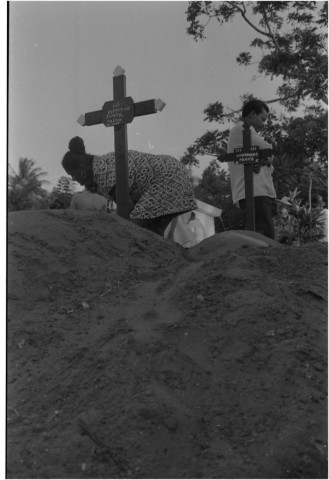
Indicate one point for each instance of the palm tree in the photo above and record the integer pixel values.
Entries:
(25, 187)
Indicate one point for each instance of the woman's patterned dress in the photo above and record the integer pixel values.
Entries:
(158, 184)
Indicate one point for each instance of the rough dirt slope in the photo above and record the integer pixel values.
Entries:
(129, 357)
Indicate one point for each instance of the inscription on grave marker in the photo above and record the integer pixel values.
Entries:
(251, 158)
(118, 112)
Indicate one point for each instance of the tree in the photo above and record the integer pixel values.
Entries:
(300, 147)
(63, 191)
(214, 188)
(293, 45)
(297, 54)
(25, 190)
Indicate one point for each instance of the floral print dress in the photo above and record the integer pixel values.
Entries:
(158, 184)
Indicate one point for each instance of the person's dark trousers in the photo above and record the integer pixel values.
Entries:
(263, 215)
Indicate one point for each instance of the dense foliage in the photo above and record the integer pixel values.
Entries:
(214, 188)
(63, 192)
(25, 190)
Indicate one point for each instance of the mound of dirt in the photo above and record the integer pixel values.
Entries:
(130, 357)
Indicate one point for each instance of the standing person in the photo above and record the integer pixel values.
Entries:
(159, 185)
(254, 113)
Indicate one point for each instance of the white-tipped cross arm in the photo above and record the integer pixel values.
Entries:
(159, 104)
(140, 108)
(118, 71)
(82, 120)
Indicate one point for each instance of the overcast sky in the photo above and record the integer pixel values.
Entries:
(61, 61)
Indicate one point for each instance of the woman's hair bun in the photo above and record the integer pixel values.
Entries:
(77, 146)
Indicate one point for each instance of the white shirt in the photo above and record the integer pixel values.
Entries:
(263, 183)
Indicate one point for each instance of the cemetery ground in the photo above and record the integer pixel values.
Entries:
(130, 357)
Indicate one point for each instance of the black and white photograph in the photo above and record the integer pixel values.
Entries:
(166, 241)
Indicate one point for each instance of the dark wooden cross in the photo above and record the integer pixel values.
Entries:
(117, 113)
(252, 157)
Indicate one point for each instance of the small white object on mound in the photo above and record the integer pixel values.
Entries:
(159, 104)
(82, 120)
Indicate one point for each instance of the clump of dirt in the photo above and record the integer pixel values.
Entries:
(130, 357)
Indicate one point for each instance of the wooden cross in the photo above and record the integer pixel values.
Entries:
(117, 113)
(252, 158)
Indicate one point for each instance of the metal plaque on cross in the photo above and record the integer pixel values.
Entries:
(118, 113)
(252, 158)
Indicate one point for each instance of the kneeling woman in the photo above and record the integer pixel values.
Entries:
(159, 185)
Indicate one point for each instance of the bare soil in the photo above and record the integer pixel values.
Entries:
(130, 357)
